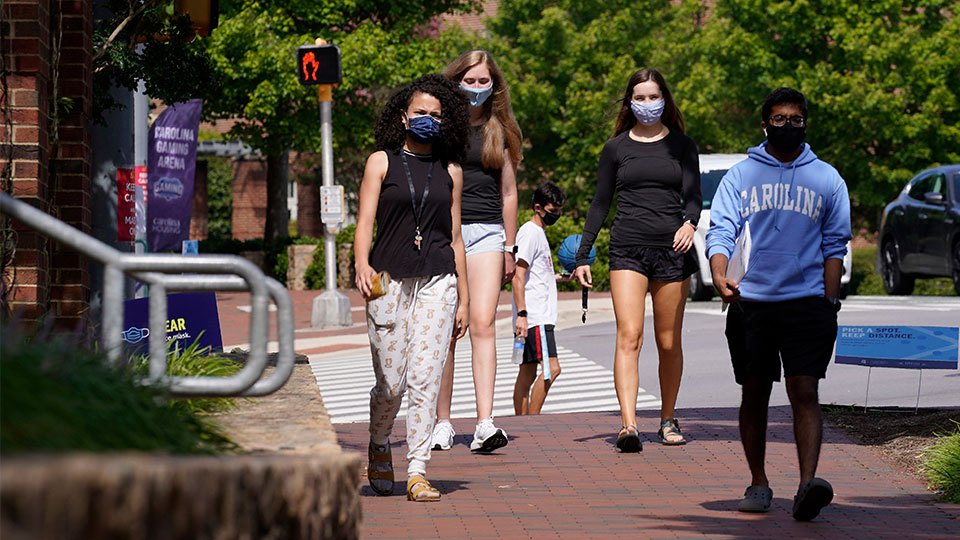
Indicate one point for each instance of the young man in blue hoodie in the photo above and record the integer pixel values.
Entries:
(785, 306)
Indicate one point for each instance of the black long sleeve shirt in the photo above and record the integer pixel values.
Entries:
(657, 185)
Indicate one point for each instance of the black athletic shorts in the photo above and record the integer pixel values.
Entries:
(799, 333)
(538, 338)
(657, 263)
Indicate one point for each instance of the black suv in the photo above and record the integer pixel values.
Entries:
(920, 231)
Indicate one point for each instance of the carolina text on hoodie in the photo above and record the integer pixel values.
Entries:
(799, 217)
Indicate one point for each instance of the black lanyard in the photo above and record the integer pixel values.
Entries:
(417, 211)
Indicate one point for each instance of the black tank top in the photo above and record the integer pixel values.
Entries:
(481, 186)
(394, 249)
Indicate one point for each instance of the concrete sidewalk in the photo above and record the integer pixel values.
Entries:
(560, 478)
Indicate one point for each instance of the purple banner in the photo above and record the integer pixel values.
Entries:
(171, 164)
(190, 317)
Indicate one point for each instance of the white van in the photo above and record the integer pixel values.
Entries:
(712, 169)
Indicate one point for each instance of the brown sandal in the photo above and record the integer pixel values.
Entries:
(380, 468)
(419, 490)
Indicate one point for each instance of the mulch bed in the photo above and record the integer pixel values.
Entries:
(901, 434)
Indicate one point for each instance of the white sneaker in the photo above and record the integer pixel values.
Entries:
(488, 437)
(443, 435)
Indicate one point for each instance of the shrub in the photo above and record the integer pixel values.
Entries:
(315, 276)
(57, 396)
(219, 197)
(865, 281)
(942, 465)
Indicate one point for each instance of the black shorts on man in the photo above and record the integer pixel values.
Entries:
(800, 333)
(657, 263)
(538, 339)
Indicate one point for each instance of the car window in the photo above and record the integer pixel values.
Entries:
(938, 184)
(709, 182)
(919, 187)
(956, 189)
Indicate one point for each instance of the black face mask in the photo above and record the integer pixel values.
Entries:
(550, 218)
(785, 139)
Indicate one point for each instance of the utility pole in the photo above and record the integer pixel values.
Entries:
(320, 65)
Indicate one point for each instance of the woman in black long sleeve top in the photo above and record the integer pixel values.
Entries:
(653, 168)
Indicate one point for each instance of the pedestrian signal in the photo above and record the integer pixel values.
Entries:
(319, 64)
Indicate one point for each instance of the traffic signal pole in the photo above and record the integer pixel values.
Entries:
(325, 96)
(331, 308)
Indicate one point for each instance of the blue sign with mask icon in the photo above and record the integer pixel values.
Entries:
(910, 347)
(190, 317)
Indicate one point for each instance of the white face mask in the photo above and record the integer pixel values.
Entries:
(477, 96)
(648, 114)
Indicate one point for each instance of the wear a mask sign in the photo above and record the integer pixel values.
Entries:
(191, 317)
(171, 165)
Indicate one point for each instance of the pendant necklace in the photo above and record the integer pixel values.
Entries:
(417, 210)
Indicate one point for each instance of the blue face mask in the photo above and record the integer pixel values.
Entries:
(477, 96)
(647, 114)
(424, 129)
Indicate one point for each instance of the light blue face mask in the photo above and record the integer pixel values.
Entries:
(477, 96)
(647, 114)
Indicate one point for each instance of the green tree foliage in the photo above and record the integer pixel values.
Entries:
(171, 62)
(383, 44)
(568, 62)
(882, 79)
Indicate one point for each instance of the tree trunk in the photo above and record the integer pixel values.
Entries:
(278, 217)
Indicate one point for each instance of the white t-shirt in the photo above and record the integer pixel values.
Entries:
(540, 292)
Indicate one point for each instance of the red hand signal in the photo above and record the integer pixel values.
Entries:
(309, 59)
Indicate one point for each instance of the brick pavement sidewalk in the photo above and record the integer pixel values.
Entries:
(560, 478)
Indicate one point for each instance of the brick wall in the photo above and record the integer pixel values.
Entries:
(249, 198)
(50, 152)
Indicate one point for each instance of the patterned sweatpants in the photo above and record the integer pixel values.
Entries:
(410, 329)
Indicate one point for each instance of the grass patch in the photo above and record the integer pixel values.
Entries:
(58, 396)
(865, 281)
(941, 464)
(195, 361)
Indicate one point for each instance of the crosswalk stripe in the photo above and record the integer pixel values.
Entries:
(345, 380)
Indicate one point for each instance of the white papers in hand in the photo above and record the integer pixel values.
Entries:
(740, 259)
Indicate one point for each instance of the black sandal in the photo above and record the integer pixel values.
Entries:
(671, 428)
(628, 441)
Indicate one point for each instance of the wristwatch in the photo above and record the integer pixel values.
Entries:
(522, 313)
(510, 249)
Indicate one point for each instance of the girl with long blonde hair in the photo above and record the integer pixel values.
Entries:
(489, 229)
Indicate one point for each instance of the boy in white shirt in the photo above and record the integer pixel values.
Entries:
(535, 301)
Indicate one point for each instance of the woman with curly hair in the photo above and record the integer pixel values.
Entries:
(414, 278)
(653, 169)
(489, 233)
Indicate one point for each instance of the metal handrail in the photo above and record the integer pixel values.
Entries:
(164, 272)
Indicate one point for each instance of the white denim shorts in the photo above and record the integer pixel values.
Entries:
(482, 237)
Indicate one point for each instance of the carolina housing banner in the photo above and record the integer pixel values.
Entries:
(171, 165)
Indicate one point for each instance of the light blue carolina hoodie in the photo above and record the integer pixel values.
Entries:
(799, 216)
